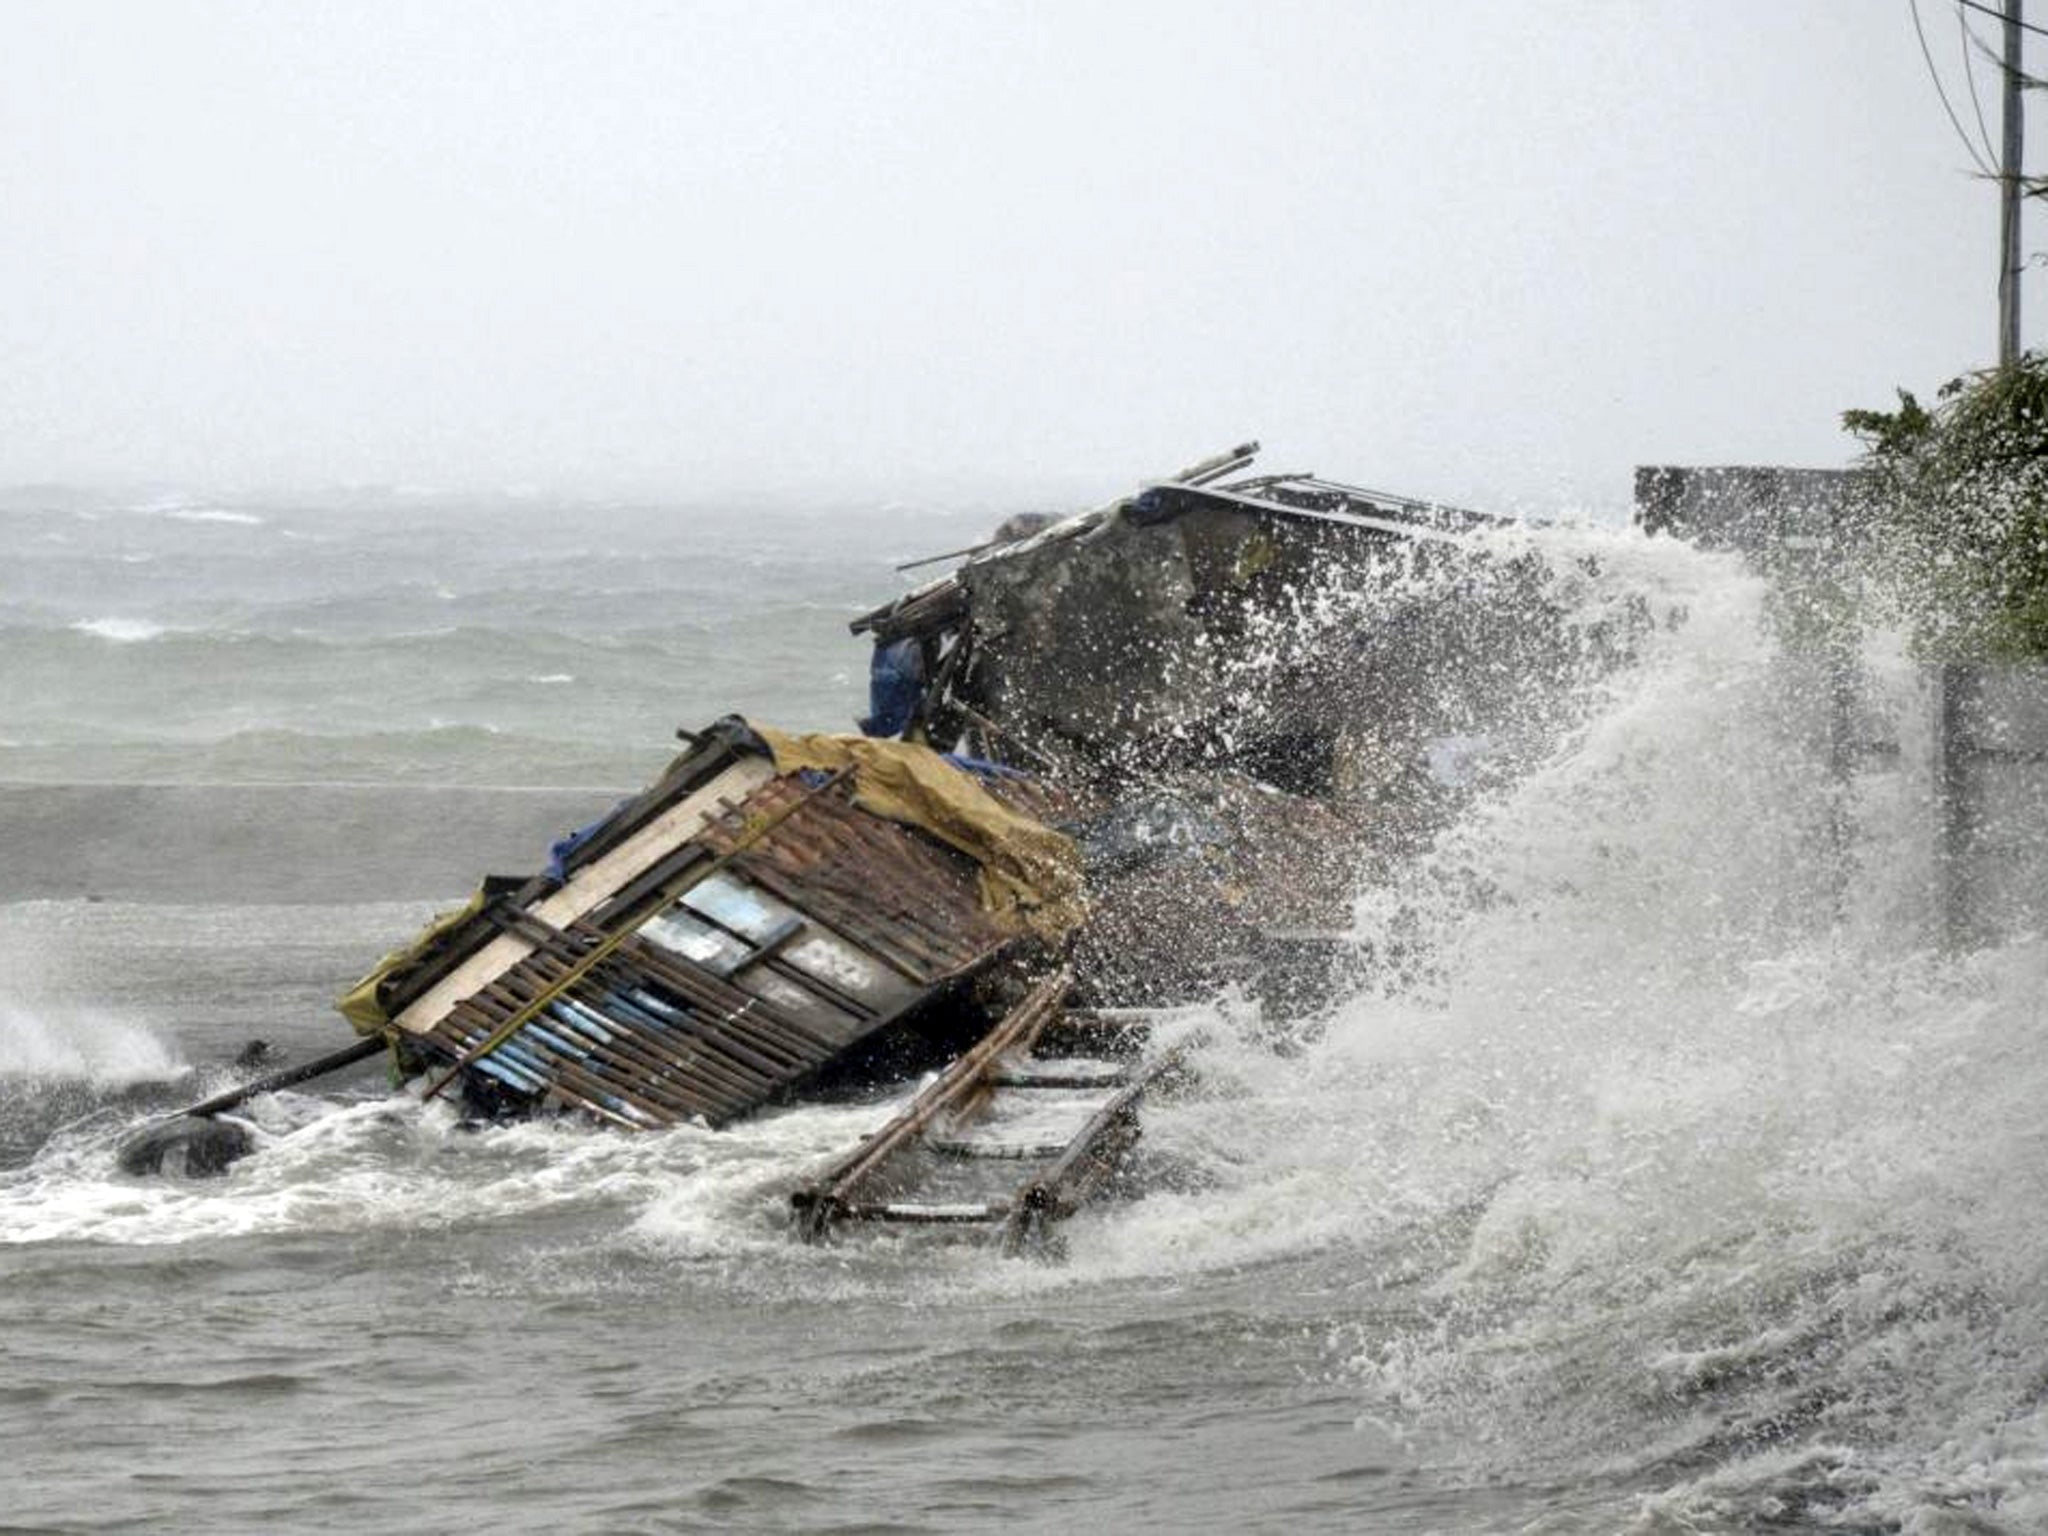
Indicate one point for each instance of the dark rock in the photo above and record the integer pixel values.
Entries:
(193, 1148)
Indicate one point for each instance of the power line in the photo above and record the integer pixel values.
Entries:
(1970, 74)
(1978, 5)
(1934, 74)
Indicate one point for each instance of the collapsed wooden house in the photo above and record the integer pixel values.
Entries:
(1107, 769)
(773, 913)
(777, 913)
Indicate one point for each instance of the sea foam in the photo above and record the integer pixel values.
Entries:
(121, 631)
(215, 515)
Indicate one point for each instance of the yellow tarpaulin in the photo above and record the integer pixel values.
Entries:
(359, 1003)
(1030, 873)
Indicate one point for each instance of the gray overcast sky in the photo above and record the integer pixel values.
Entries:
(1497, 252)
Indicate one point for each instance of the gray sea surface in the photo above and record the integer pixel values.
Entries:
(1672, 1194)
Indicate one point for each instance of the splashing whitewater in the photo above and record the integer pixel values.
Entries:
(1663, 1154)
(1701, 1170)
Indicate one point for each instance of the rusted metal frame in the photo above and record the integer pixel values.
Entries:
(612, 941)
(911, 895)
(908, 862)
(819, 1203)
(885, 840)
(795, 875)
(653, 1056)
(1088, 1160)
(561, 1080)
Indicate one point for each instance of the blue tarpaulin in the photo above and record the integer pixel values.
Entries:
(561, 852)
(984, 768)
(895, 684)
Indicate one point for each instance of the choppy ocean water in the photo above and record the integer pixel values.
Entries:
(393, 638)
(1687, 1187)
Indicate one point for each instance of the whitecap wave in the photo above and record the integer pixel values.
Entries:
(214, 515)
(121, 631)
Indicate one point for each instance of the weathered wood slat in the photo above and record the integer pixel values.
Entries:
(913, 1148)
(820, 1203)
(586, 889)
(1087, 1162)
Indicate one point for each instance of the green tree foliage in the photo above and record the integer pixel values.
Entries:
(1960, 510)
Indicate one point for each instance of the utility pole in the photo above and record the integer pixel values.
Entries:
(2009, 197)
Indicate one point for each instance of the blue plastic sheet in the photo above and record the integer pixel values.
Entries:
(895, 684)
(561, 852)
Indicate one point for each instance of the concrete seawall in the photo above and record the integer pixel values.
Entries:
(275, 842)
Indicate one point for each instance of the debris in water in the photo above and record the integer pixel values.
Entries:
(1113, 762)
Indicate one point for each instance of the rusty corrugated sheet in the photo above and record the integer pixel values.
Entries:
(902, 896)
